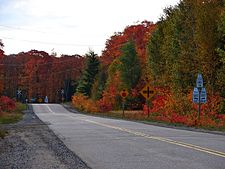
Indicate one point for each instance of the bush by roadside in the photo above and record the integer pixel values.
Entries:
(10, 112)
(164, 108)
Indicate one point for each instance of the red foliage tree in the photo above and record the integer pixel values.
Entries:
(139, 33)
(1, 49)
(39, 74)
(1, 67)
(7, 104)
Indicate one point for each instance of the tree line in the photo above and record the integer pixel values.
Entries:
(188, 39)
(36, 74)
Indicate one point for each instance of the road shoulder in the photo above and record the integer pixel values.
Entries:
(31, 144)
(73, 110)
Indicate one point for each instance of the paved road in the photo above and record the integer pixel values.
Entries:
(116, 144)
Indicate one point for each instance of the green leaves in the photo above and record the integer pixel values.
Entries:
(184, 44)
(129, 66)
(88, 76)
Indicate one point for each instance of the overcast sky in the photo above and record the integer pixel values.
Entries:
(70, 26)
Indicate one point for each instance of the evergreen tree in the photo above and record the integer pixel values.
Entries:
(88, 76)
(130, 68)
(99, 83)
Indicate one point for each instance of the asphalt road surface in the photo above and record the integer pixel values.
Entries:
(117, 144)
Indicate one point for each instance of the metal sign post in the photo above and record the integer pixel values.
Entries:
(148, 105)
(199, 94)
(199, 84)
(62, 95)
(124, 93)
(19, 94)
(148, 92)
(123, 105)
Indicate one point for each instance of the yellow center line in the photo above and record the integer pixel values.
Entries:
(178, 143)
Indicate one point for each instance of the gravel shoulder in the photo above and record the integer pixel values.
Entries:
(30, 144)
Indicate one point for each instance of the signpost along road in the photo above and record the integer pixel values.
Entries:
(18, 94)
(124, 93)
(148, 92)
(195, 97)
(203, 95)
(199, 93)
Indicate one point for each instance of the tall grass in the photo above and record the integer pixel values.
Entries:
(11, 117)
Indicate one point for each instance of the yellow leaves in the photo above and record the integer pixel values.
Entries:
(83, 103)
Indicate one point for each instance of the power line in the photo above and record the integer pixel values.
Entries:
(48, 43)
(30, 30)
(25, 29)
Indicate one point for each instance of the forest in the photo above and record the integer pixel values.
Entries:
(36, 74)
(188, 39)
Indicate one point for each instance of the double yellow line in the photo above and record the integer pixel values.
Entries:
(178, 143)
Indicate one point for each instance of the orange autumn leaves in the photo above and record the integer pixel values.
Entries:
(167, 106)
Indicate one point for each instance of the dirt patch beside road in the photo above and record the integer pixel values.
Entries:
(30, 144)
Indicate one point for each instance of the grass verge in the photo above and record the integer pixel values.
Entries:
(11, 117)
(138, 115)
(3, 133)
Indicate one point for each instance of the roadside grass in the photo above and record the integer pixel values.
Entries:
(14, 116)
(20, 107)
(138, 115)
(128, 114)
(214, 128)
(3, 133)
(11, 117)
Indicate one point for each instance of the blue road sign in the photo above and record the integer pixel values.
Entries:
(203, 95)
(199, 81)
(195, 96)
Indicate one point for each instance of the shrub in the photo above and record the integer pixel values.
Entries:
(171, 108)
(83, 103)
(108, 99)
(7, 104)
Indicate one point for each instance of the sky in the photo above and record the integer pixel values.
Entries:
(71, 26)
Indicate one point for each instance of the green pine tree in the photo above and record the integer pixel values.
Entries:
(88, 76)
(129, 67)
